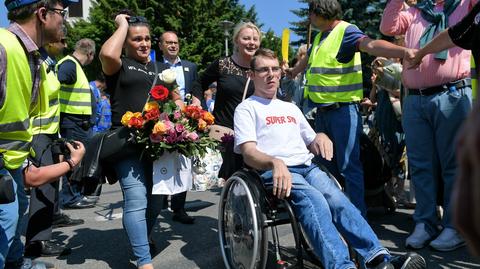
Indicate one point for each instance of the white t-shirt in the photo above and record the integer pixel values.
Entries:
(279, 129)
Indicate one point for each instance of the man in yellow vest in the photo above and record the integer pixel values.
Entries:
(76, 102)
(335, 86)
(34, 24)
(43, 209)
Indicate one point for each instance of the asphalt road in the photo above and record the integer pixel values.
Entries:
(101, 242)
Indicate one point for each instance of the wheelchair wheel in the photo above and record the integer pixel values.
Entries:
(241, 229)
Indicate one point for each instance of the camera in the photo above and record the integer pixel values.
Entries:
(7, 191)
(59, 146)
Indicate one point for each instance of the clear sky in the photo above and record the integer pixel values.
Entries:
(274, 14)
(3, 15)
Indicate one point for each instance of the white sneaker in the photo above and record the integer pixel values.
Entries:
(448, 240)
(419, 238)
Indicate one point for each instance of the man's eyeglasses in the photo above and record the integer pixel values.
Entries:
(266, 69)
(59, 11)
(137, 19)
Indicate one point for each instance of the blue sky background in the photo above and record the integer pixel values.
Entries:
(274, 14)
(3, 15)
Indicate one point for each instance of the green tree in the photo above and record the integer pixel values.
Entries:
(197, 24)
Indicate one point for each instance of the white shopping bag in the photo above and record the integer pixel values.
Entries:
(172, 173)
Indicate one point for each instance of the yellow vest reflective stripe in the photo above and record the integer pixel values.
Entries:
(474, 76)
(328, 80)
(76, 98)
(47, 121)
(15, 130)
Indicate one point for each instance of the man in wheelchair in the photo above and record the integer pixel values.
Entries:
(274, 137)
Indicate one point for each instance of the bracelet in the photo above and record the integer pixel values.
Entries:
(71, 163)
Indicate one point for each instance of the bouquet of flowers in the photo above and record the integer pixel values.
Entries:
(163, 126)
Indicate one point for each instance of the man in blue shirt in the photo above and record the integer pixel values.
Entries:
(186, 75)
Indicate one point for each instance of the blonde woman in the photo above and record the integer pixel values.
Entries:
(231, 74)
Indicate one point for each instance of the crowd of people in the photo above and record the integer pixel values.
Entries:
(286, 120)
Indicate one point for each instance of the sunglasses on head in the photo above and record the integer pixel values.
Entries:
(137, 19)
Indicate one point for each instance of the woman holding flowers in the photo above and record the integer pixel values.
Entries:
(129, 79)
(231, 75)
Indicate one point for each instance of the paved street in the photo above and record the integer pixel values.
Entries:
(101, 243)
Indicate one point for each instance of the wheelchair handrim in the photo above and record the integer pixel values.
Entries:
(221, 222)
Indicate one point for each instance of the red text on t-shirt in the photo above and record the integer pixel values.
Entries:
(280, 120)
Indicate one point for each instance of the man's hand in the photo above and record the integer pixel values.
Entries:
(413, 58)
(77, 150)
(322, 145)
(282, 179)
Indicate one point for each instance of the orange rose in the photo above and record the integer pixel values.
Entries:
(159, 128)
(151, 105)
(202, 125)
(208, 117)
(126, 118)
(136, 122)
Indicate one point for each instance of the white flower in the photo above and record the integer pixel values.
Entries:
(168, 76)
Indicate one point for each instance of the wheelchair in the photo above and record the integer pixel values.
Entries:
(247, 209)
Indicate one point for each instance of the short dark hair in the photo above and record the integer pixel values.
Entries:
(327, 9)
(262, 52)
(24, 12)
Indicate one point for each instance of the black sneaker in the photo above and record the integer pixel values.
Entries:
(410, 260)
(63, 220)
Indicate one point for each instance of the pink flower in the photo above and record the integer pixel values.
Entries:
(171, 137)
(193, 136)
(164, 116)
(169, 125)
(177, 114)
(179, 127)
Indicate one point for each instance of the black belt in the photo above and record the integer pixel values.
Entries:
(459, 84)
(334, 106)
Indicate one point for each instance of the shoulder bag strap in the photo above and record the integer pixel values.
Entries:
(246, 88)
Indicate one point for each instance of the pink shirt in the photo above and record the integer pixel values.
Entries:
(431, 72)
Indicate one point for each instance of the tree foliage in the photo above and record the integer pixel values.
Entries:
(196, 23)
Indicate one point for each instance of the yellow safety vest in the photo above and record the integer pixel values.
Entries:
(47, 121)
(328, 80)
(15, 106)
(76, 98)
(474, 77)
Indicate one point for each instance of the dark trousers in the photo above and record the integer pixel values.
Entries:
(177, 201)
(43, 199)
(71, 190)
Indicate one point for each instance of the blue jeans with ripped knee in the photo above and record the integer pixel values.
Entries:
(325, 212)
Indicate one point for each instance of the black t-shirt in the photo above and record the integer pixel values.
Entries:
(231, 79)
(129, 88)
(466, 34)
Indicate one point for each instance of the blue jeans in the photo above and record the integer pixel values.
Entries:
(344, 126)
(324, 212)
(140, 208)
(72, 190)
(11, 216)
(431, 124)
